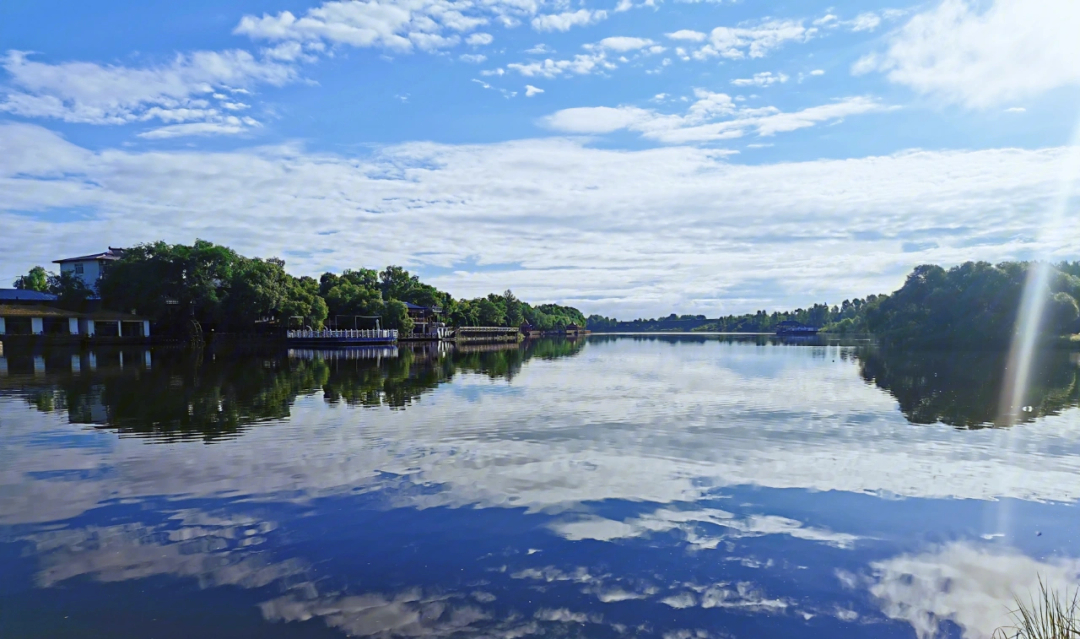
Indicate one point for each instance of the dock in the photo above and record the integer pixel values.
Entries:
(334, 338)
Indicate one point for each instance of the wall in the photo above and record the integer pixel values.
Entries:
(91, 271)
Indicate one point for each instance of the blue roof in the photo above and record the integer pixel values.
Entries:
(20, 295)
(415, 307)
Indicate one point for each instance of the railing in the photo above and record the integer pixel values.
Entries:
(385, 335)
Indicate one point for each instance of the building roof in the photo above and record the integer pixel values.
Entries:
(21, 295)
(23, 310)
(417, 307)
(108, 256)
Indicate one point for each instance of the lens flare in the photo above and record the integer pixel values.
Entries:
(1023, 349)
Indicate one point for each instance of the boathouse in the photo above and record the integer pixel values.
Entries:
(33, 313)
(426, 323)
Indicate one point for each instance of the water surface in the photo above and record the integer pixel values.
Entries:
(671, 487)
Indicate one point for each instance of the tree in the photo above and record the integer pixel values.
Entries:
(171, 281)
(514, 315)
(70, 290)
(488, 314)
(397, 283)
(36, 280)
(396, 316)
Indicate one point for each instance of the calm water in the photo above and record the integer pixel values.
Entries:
(676, 487)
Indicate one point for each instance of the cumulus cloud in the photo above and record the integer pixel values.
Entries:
(480, 39)
(402, 27)
(761, 80)
(714, 116)
(567, 20)
(530, 90)
(191, 88)
(861, 208)
(981, 54)
(594, 60)
(625, 43)
(687, 34)
(974, 587)
(753, 40)
(473, 58)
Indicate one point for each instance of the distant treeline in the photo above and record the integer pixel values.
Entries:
(974, 303)
(819, 315)
(218, 287)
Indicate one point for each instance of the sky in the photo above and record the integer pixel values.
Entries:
(628, 157)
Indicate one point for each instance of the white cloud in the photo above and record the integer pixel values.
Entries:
(714, 116)
(479, 39)
(523, 195)
(373, 23)
(594, 60)
(982, 54)
(232, 126)
(184, 90)
(540, 49)
(866, 22)
(493, 72)
(581, 64)
(974, 587)
(817, 72)
(1016, 110)
(625, 43)
(687, 34)
(567, 20)
(755, 40)
(473, 58)
(530, 90)
(761, 80)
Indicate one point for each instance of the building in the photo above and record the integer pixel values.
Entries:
(32, 313)
(89, 268)
(426, 322)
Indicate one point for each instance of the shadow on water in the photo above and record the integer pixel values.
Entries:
(963, 388)
(181, 394)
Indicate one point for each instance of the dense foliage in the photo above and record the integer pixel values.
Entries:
(218, 287)
(69, 289)
(760, 322)
(212, 284)
(974, 303)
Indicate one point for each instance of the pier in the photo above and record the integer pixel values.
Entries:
(342, 337)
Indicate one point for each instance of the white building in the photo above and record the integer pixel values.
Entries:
(89, 268)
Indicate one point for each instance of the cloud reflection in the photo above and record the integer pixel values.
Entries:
(971, 586)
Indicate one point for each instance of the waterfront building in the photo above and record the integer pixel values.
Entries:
(89, 268)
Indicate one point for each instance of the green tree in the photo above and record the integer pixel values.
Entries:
(70, 290)
(396, 316)
(397, 283)
(489, 314)
(36, 280)
(514, 309)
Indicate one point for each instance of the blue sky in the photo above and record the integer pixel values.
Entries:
(629, 157)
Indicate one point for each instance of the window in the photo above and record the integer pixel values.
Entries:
(78, 269)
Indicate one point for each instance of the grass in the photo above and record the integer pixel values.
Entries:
(1045, 616)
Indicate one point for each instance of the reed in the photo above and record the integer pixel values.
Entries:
(1046, 615)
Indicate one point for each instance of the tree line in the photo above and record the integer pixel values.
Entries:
(215, 285)
(973, 303)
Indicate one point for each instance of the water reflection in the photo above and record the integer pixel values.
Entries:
(655, 487)
(178, 394)
(962, 388)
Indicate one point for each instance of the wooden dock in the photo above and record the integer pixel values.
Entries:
(333, 338)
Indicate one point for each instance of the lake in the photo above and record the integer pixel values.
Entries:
(679, 487)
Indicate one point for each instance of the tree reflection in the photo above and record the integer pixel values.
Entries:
(197, 395)
(961, 388)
